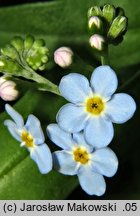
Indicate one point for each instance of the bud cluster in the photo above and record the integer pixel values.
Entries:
(22, 55)
(107, 25)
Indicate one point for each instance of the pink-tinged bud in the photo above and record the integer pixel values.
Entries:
(97, 42)
(7, 90)
(63, 57)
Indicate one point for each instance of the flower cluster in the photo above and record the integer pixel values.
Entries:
(84, 129)
(28, 51)
(79, 158)
(107, 25)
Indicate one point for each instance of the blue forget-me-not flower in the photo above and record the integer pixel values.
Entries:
(79, 158)
(94, 107)
(31, 136)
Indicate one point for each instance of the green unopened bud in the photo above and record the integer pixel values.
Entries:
(39, 43)
(9, 66)
(38, 55)
(117, 28)
(97, 42)
(108, 21)
(109, 13)
(10, 51)
(94, 11)
(28, 42)
(18, 43)
(95, 24)
(29, 53)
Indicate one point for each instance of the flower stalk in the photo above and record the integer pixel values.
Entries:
(105, 57)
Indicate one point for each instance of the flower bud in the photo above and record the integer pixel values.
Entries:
(95, 24)
(10, 52)
(63, 57)
(28, 42)
(109, 13)
(38, 55)
(18, 43)
(7, 90)
(9, 66)
(97, 42)
(94, 11)
(117, 28)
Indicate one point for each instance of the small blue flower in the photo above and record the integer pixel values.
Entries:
(31, 136)
(81, 159)
(94, 107)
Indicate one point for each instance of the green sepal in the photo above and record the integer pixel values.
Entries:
(18, 43)
(10, 52)
(109, 13)
(28, 43)
(10, 66)
(30, 53)
(94, 11)
(38, 55)
(117, 28)
(114, 22)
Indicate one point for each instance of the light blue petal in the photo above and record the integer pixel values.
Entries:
(99, 132)
(64, 163)
(14, 115)
(71, 118)
(91, 182)
(74, 87)
(104, 81)
(60, 137)
(81, 142)
(13, 129)
(104, 161)
(33, 126)
(121, 108)
(42, 156)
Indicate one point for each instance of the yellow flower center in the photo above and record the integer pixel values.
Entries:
(81, 155)
(27, 139)
(94, 105)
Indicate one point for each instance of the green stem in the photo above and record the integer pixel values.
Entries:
(43, 83)
(105, 57)
(129, 82)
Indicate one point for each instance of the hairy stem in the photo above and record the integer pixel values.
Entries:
(43, 83)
